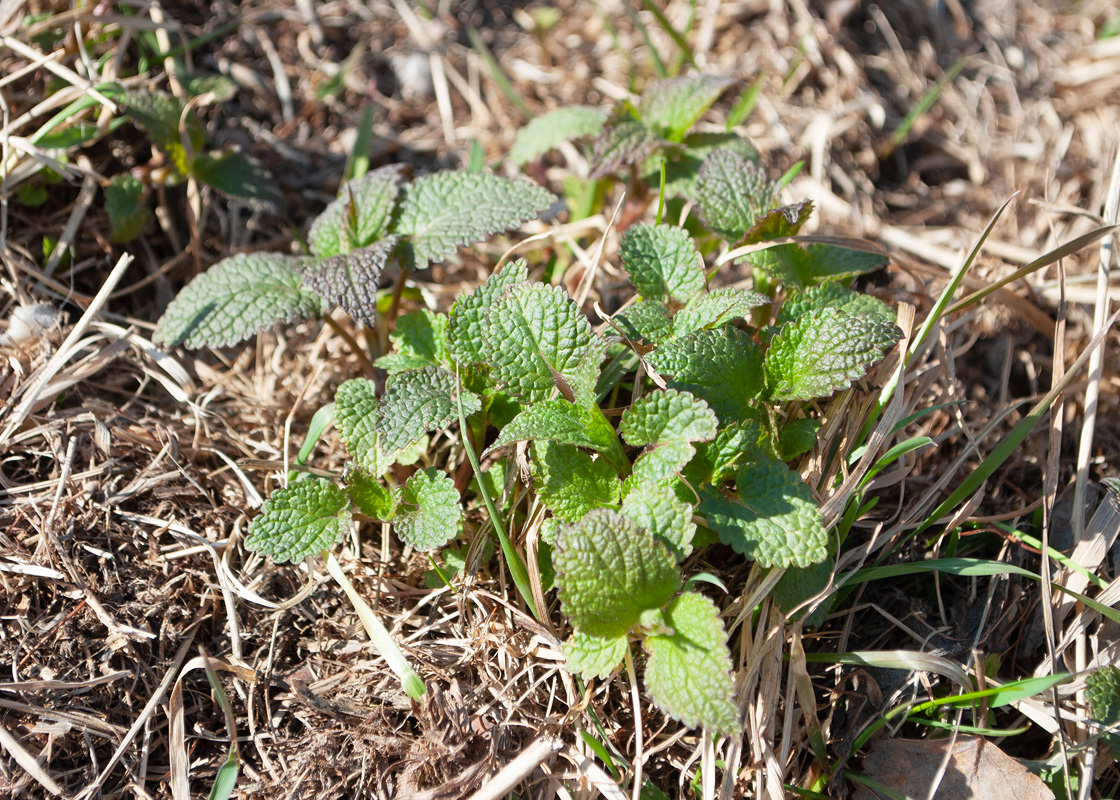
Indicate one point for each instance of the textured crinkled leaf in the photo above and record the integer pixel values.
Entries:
(717, 308)
(238, 176)
(535, 335)
(359, 216)
(646, 321)
(624, 142)
(831, 294)
(775, 520)
(350, 280)
(796, 266)
(798, 437)
(778, 222)
(657, 509)
(371, 496)
(671, 106)
(667, 415)
(467, 322)
(592, 656)
(564, 423)
(583, 377)
(419, 340)
(684, 162)
(731, 192)
(429, 512)
(688, 675)
(722, 367)
(716, 461)
(299, 520)
(235, 298)
(355, 413)
(418, 401)
(440, 212)
(662, 261)
(824, 350)
(554, 127)
(1102, 689)
(125, 204)
(662, 462)
(569, 481)
(159, 114)
(609, 572)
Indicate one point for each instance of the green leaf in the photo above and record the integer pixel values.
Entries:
(350, 280)
(418, 401)
(371, 496)
(419, 340)
(609, 572)
(158, 115)
(593, 656)
(731, 192)
(795, 266)
(667, 415)
(355, 411)
(221, 86)
(302, 519)
(235, 298)
(717, 308)
(825, 350)
(670, 107)
(684, 162)
(799, 584)
(830, 294)
(467, 321)
(535, 339)
(646, 321)
(778, 222)
(237, 176)
(624, 142)
(662, 462)
(1102, 690)
(688, 675)
(798, 437)
(775, 520)
(563, 423)
(442, 211)
(663, 262)
(429, 512)
(722, 367)
(359, 216)
(569, 481)
(716, 461)
(125, 203)
(550, 129)
(656, 509)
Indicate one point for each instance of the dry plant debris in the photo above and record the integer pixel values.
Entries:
(130, 473)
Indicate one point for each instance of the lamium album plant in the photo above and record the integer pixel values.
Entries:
(666, 430)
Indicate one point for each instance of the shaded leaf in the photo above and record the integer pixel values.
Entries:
(646, 321)
(442, 211)
(671, 106)
(359, 216)
(731, 191)
(235, 298)
(237, 176)
(775, 520)
(159, 114)
(624, 142)
(717, 308)
(778, 222)
(371, 496)
(796, 266)
(608, 572)
(656, 509)
(1102, 690)
(419, 340)
(350, 280)
(418, 401)
(548, 130)
(569, 481)
(127, 207)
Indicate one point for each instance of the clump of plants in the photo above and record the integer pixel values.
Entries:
(667, 430)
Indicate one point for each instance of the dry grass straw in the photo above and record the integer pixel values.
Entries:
(128, 474)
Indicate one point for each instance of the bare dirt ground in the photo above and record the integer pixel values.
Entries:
(129, 474)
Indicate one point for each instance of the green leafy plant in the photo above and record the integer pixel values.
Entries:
(720, 383)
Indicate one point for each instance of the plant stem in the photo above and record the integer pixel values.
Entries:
(382, 640)
(352, 343)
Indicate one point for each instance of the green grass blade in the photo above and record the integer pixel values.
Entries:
(746, 103)
(676, 36)
(497, 73)
(658, 65)
(358, 164)
(924, 105)
(226, 778)
(322, 420)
